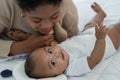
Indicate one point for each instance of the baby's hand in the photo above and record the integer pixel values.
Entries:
(100, 31)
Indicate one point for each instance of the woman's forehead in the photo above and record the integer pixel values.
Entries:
(44, 11)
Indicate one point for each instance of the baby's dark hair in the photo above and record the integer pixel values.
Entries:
(32, 4)
(29, 66)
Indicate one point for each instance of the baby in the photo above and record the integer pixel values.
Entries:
(94, 44)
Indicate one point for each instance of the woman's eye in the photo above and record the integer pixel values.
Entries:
(50, 51)
(36, 21)
(54, 17)
(53, 62)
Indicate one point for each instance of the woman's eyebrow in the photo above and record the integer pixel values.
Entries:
(36, 18)
(55, 13)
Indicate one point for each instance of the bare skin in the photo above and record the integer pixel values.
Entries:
(98, 18)
(17, 35)
(113, 30)
(114, 34)
(34, 42)
(100, 34)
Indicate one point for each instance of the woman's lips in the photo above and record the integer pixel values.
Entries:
(45, 31)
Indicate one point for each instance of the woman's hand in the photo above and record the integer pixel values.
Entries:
(35, 41)
(40, 40)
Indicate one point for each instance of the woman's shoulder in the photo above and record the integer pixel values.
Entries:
(7, 6)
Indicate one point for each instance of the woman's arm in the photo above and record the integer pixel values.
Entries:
(70, 24)
(70, 18)
(34, 41)
(60, 33)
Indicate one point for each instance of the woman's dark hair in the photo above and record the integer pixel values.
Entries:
(32, 4)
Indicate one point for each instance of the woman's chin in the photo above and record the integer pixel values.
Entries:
(44, 33)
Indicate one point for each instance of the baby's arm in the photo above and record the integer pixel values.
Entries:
(99, 48)
(60, 33)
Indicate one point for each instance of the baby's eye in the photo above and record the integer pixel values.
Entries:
(50, 51)
(53, 62)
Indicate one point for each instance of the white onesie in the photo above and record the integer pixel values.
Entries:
(81, 46)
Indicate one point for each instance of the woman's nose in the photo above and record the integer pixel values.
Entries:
(47, 24)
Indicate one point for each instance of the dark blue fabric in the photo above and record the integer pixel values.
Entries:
(6, 73)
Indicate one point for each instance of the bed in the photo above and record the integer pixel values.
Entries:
(108, 69)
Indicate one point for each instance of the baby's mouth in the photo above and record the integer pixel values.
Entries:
(62, 55)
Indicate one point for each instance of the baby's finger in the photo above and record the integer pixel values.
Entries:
(93, 5)
(103, 27)
(96, 27)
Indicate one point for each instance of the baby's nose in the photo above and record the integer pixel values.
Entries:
(57, 55)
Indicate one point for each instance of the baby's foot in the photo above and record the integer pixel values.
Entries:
(96, 7)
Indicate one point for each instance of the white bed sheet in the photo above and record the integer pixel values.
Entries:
(109, 69)
(106, 70)
(111, 7)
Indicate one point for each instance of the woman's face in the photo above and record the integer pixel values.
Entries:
(43, 17)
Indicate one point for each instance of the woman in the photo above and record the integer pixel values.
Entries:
(35, 17)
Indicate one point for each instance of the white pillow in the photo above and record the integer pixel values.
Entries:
(19, 74)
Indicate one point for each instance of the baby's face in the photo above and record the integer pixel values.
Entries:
(50, 61)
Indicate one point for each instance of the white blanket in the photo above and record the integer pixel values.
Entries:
(106, 70)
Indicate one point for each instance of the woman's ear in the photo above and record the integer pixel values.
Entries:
(22, 13)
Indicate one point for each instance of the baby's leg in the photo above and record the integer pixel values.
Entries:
(98, 18)
(114, 34)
